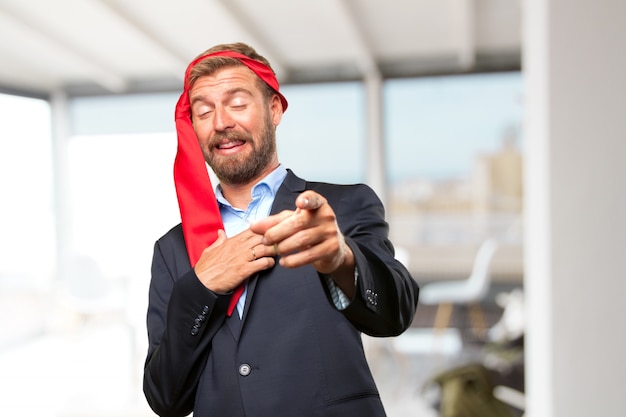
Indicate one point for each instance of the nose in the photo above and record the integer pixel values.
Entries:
(222, 120)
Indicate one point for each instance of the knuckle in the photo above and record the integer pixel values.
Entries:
(285, 213)
(299, 222)
(303, 238)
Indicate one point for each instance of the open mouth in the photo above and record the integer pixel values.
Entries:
(230, 144)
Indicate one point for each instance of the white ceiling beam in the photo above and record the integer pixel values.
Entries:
(372, 77)
(366, 61)
(177, 62)
(100, 73)
(249, 26)
(467, 34)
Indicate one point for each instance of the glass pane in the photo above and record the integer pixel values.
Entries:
(27, 241)
(454, 159)
(322, 134)
(454, 152)
(122, 198)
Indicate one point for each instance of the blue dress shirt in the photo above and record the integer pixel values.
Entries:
(236, 221)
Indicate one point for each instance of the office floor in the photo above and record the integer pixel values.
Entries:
(404, 367)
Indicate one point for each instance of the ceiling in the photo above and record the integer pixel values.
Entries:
(120, 46)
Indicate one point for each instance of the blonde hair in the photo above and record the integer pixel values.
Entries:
(210, 65)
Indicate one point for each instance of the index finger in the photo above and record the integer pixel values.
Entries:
(263, 225)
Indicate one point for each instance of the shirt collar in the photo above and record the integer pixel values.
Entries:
(271, 183)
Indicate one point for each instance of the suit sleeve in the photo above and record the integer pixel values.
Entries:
(182, 319)
(386, 294)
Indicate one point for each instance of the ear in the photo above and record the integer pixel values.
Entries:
(276, 109)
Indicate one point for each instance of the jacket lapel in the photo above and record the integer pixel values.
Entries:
(234, 325)
(287, 193)
(285, 199)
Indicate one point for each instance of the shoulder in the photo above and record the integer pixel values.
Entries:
(174, 235)
(340, 189)
(353, 204)
(347, 196)
(172, 251)
(172, 243)
(332, 191)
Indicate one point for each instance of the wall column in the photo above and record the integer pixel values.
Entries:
(59, 110)
(575, 177)
(375, 169)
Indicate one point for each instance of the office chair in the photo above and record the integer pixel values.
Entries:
(470, 291)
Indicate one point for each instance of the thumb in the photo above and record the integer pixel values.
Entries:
(221, 237)
(310, 200)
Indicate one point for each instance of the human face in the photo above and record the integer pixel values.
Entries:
(235, 125)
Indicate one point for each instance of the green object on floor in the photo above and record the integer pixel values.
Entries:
(467, 391)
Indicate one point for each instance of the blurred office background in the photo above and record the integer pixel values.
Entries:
(492, 130)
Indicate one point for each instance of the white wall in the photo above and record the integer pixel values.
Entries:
(575, 69)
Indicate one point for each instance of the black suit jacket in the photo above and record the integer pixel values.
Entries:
(293, 354)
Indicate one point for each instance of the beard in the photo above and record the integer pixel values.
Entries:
(242, 168)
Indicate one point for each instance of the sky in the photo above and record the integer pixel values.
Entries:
(435, 126)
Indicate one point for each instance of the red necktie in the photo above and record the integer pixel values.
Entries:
(199, 212)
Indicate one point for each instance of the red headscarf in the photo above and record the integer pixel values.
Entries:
(199, 211)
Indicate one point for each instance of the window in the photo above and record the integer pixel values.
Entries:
(27, 241)
(322, 134)
(454, 160)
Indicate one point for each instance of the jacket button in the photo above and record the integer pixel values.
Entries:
(372, 297)
(244, 369)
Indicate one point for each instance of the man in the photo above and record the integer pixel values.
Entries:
(258, 299)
